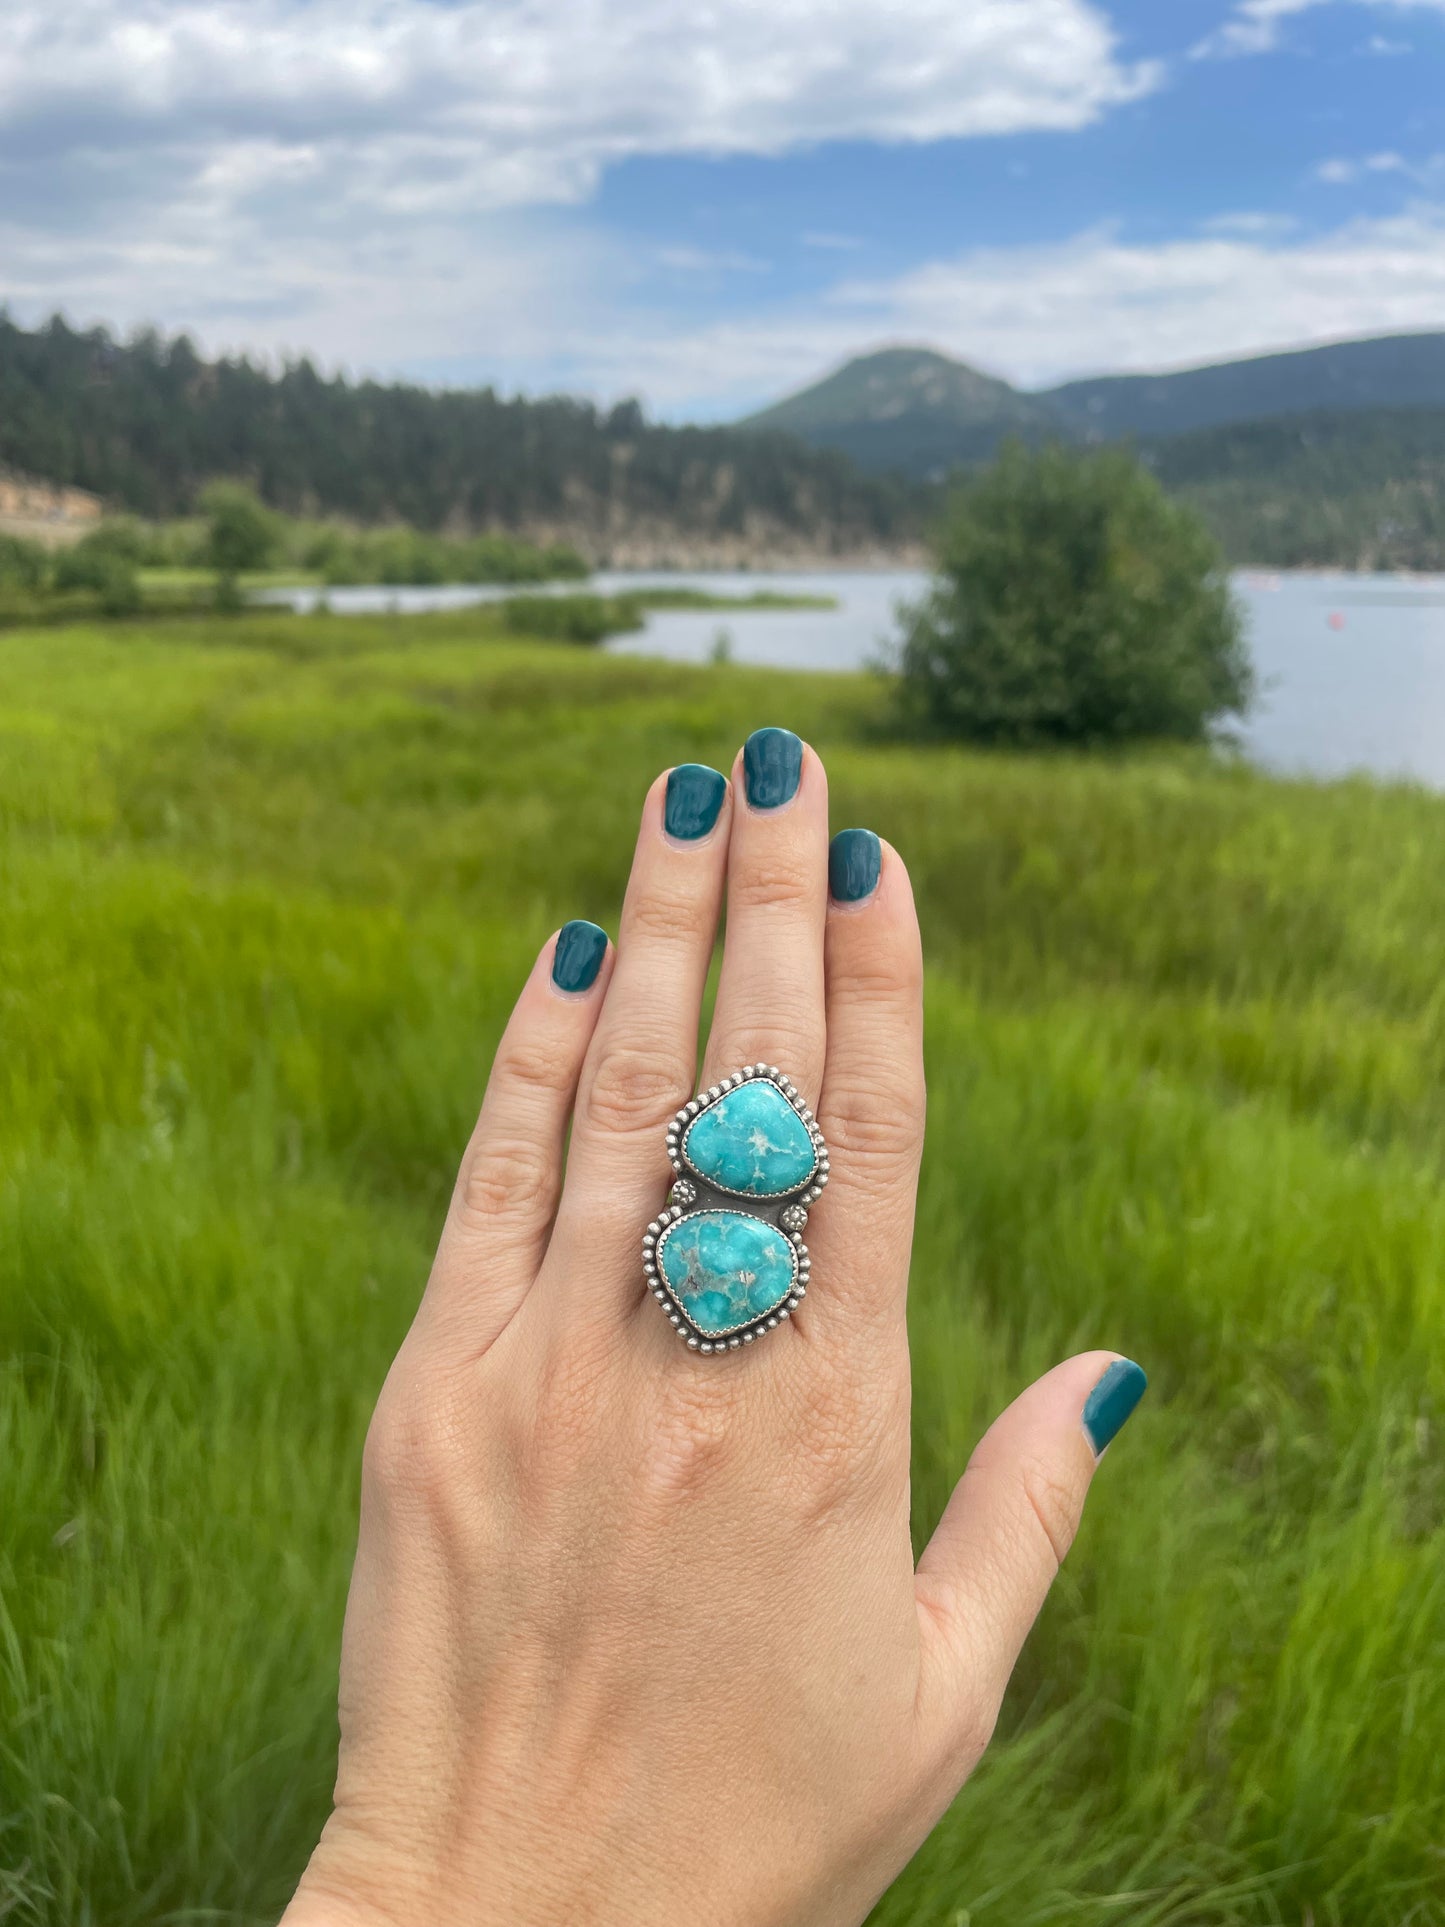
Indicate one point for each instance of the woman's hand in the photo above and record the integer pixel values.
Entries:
(634, 1635)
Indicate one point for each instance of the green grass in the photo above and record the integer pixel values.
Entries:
(267, 888)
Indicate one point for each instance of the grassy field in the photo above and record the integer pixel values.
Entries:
(267, 888)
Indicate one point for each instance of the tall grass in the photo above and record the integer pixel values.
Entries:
(266, 891)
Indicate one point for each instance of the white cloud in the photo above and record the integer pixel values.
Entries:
(1343, 173)
(1097, 302)
(1346, 172)
(1251, 223)
(508, 101)
(352, 175)
(1257, 26)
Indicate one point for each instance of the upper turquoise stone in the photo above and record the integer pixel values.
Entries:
(726, 1269)
(752, 1141)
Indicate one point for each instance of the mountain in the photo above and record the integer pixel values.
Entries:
(147, 423)
(918, 413)
(1391, 371)
(911, 410)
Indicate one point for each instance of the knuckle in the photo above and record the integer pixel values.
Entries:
(844, 1427)
(775, 881)
(788, 1035)
(873, 1119)
(633, 1089)
(1052, 1504)
(507, 1178)
(689, 1438)
(547, 1067)
(656, 918)
(415, 1451)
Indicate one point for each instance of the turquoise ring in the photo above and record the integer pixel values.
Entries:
(725, 1259)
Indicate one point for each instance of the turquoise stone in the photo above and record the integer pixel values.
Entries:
(726, 1269)
(752, 1142)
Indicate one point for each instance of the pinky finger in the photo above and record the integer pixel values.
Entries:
(507, 1190)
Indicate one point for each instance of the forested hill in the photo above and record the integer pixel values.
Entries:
(914, 412)
(148, 423)
(1336, 488)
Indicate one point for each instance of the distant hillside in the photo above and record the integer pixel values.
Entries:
(146, 424)
(910, 410)
(1361, 489)
(1393, 371)
(919, 414)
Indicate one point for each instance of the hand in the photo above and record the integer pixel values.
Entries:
(635, 1635)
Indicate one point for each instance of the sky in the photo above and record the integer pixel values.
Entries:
(709, 205)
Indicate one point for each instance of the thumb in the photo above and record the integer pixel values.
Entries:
(999, 1545)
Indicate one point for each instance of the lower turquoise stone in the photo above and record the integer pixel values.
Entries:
(752, 1142)
(726, 1269)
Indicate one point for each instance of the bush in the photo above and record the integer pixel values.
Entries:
(240, 534)
(571, 618)
(101, 568)
(1074, 602)
(23, 565)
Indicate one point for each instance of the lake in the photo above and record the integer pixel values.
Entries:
(1351, 667)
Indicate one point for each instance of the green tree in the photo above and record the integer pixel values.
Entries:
(1074, 602)
(240, 534)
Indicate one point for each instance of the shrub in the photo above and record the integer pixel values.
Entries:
(240, 534)
(99, 567)
(1074, 602)
(23, 565)
(571, 618)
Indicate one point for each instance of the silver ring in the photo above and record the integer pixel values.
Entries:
(725, 1259)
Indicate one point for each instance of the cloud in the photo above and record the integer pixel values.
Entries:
(1251, 223)
(1096, 302)
(1343, 173)
(1346, 172)
(501, 102)
(401, 182)
(1257, 26)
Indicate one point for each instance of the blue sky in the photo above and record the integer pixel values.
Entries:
(709, 207)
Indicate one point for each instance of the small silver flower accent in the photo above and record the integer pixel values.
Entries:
(682, 1194)
(793, 1217)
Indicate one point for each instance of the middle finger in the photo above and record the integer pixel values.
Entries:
(770, 993)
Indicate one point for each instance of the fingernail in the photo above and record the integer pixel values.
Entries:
(581, 946)
(855, 858)
(1111, 1402)
(694, 796)
(772, 767)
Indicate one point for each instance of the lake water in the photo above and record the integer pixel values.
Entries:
(1351, 667)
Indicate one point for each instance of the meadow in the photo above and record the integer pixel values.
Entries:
(267, 888)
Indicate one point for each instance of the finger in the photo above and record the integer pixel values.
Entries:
(507, 1189)
(998, 1548)
(872, 1105)
(642, 1059)
(770, 992)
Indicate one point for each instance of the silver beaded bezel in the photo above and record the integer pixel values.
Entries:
(707, 1195)
(677, 1132)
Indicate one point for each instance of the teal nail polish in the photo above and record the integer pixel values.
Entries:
(855, 858)
(1112, 1400)
(772, 767)
(694, 797)
(578, 957)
